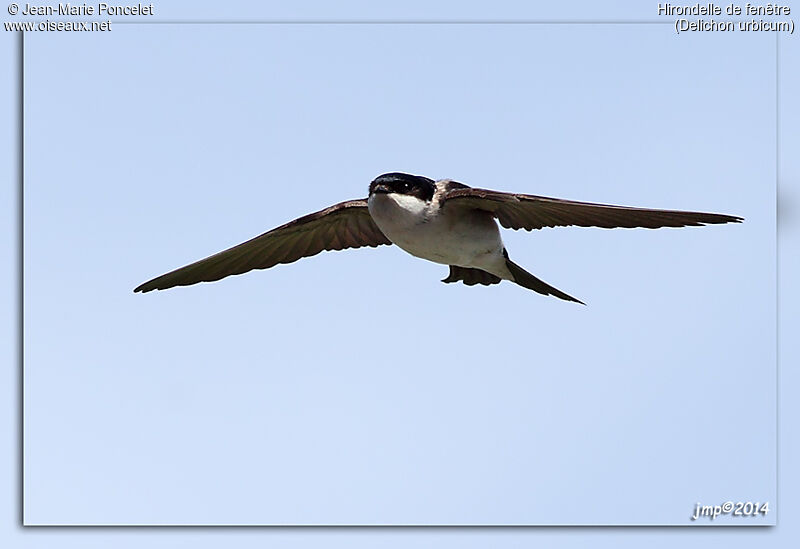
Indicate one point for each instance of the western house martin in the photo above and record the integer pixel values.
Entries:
(442, 221)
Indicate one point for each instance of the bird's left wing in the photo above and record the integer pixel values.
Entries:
(344, 225)
(525, 211)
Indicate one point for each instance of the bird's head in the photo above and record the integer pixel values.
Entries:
(403, 183)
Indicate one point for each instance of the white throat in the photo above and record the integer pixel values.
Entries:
(398, 210)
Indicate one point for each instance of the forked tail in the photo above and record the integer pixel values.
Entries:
(527, 280)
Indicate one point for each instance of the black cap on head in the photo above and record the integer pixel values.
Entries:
(403, 183)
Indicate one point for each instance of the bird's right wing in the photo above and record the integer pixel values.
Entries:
(344, 225)
(525, 211)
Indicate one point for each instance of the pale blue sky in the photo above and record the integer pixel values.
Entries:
(272, 398)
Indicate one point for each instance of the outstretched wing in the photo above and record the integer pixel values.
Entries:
(524, 211)
(344, 225)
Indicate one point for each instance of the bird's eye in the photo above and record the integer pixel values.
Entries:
(406, 186)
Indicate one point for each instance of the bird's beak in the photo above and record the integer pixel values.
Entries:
(379, 188)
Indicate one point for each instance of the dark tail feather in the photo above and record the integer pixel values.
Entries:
(527, 280)
(471, 276)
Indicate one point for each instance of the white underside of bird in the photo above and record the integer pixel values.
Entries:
(450, 236)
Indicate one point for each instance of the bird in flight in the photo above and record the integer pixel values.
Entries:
(442, 221)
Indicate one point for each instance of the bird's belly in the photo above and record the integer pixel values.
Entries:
(469, 239)
(436, 243)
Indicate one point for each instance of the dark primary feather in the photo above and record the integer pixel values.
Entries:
(344, 225)
(524, 211)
